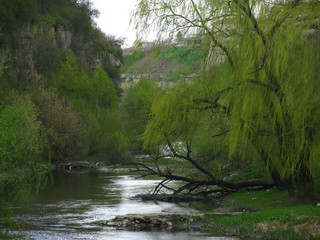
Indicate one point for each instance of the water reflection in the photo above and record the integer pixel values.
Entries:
(125, 235)
(71, 202)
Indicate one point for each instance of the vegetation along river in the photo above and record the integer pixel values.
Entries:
(71, 202)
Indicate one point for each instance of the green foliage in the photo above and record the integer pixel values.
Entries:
(178, 120)
(281, 100)
(21, 138)
(94, 97)
(62, 123)
(69, 76)
(183, 55)
(172, 115)
(137, 103)
(14, 14)
(103, 90)
(130, 59)
(22, 147)
(115, 142)
(3, 61)
(106, 138)
(77, 83)
(46, 55)
(62, 110)
(264, 89)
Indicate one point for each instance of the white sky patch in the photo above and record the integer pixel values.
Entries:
(115, 17)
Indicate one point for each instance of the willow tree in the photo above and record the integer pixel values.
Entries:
(269, 95)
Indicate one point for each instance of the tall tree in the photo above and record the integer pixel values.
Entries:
(267, 92)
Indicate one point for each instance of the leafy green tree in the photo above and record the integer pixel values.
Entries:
(104, 129)
(22, 141)
(94, 97)
(137, 103)
(103, 90)
(69, 76)
(268, 94)
(63, 125)
(98, 89)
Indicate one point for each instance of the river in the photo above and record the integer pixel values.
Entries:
(69, 204)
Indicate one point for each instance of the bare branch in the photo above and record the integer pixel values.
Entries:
(190, 160)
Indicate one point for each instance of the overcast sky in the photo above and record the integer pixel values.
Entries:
(115, 17)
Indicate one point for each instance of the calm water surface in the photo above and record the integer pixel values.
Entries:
(71, 202)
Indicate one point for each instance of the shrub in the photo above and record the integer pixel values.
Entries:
(21, 138)
(63, 124)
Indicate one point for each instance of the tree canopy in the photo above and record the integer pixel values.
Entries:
(262, 80)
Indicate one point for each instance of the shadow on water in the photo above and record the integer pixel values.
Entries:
(71, 201)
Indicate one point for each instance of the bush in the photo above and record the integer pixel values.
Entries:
(63, 124)
(21, 139)
(104, 131)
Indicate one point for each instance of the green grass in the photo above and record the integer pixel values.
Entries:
(260, 199)
(279, 217)
(183, 55)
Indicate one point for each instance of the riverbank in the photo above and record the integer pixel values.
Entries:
(268, 215)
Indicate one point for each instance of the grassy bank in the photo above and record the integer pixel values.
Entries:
(266, 215)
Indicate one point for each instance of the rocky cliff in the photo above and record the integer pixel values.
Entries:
(41, 48)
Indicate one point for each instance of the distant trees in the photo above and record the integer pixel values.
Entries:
(264, 89)
(136, 104)
(94, 100)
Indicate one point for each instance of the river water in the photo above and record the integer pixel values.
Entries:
(71, 202)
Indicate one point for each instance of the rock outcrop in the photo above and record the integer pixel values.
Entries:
(157, 221)
(128, 79)
(40, 48)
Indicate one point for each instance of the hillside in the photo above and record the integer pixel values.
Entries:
(166, 64)
(62, 72)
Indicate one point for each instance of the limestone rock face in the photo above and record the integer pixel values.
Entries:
(40, 47)
(129, 79)
(114, 61)
(63, 37)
